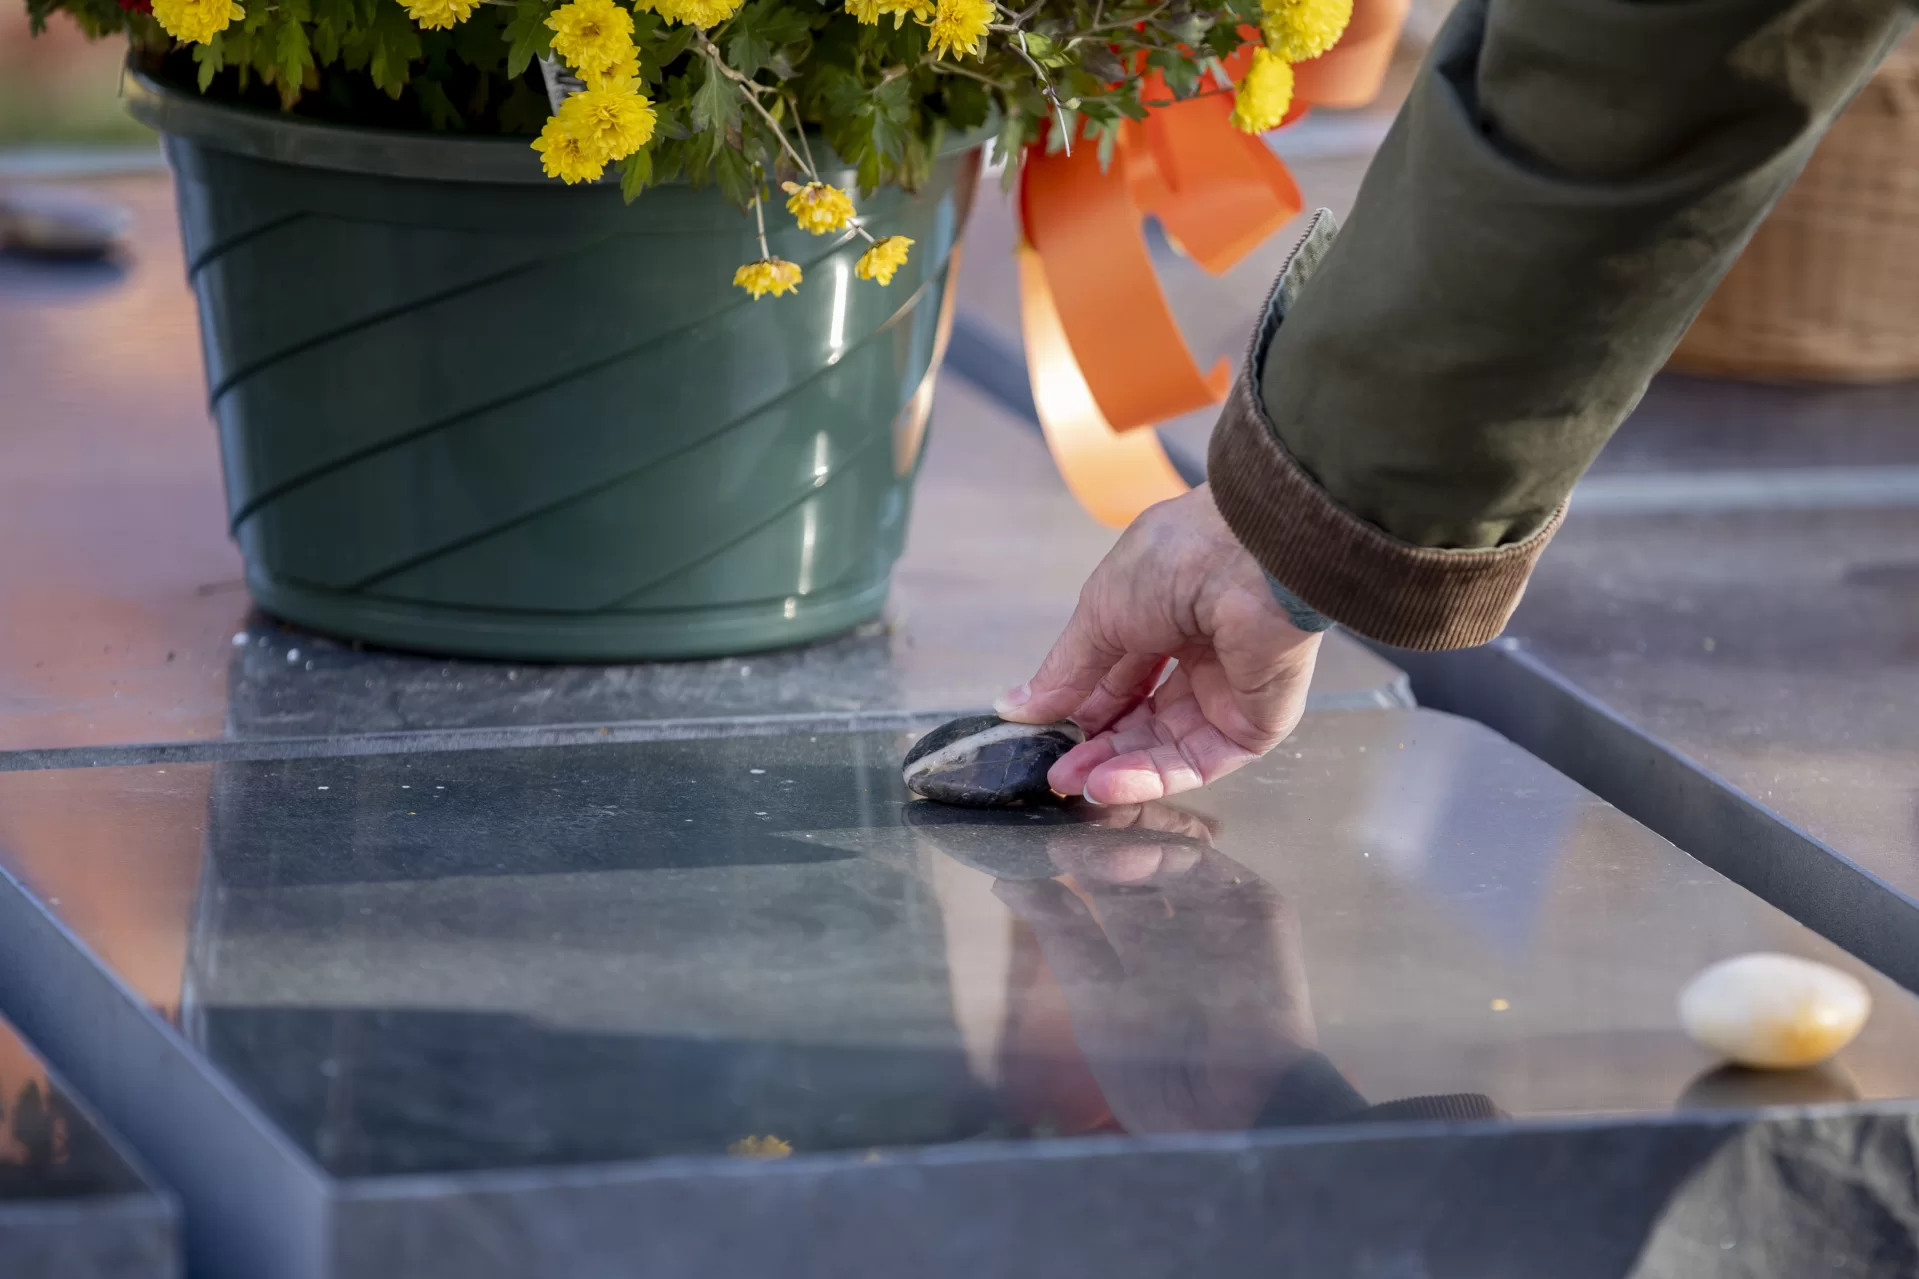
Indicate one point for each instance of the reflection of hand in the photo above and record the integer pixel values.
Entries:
(1181, 970)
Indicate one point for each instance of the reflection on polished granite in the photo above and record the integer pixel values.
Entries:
(1773, 642)
(1780, 650)
(129, 623)
(71, 1205)
(572, 955)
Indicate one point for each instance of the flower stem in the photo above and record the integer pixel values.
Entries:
(793, 105)
(759, 214)
(948, 68)
(712, 55)
(1012, 26)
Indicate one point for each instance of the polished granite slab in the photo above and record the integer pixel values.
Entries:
(128, 624)
(1736, 662)
(72, 1206)
(1752, 696)
(499, 1012)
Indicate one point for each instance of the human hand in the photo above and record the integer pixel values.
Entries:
(1176, 588)
(1181, 970)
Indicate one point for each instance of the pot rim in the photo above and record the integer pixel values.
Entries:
(390, 153)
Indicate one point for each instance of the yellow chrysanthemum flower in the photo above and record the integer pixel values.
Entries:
(817, 207)
(591, 33)
(620, 73)
(1300, 29)
(697, 13)
(1265, 95)
(879, 262)
(563, 156)
(440, 15)
(871, 11)
(959, 27)
(196, 21)
(609, 124)
(768, 275)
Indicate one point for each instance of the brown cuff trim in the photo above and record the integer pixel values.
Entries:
(1354, 572)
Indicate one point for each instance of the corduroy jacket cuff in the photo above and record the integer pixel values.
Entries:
(1326, 557)
(1353, 572)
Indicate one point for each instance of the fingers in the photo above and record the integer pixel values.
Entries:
(1128, 684)
(1163, 818)
(1073, 671)
(1069, 772)
(1127, 864)
(1166, 748)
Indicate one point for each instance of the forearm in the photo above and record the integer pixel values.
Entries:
(1566, 184)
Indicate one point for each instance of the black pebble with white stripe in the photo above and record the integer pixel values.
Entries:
(984, 762)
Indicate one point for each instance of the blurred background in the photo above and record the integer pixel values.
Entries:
(58, 88)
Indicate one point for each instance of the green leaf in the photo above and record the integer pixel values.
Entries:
(890, 138)
(212, 58)
(916, 164)
(1058, 135)
(839, 91)
(1191, 29)
(870, 172)
(748, 52)
(738, 181)
(393, 44)
(527, 35)
(1044, 51)
(1222, 40)
(1102, 63)
(894, 99)
(438, 108)
(967, 106)
(525, 109)
(1011, 139)
(1108, 143)
(658, 52)
(481, 43)
(636, 173)
(761, 32)
(293, 57)
(697, 153)
(716, 104)
(669, 161)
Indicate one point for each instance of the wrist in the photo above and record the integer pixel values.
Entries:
(1302, 615)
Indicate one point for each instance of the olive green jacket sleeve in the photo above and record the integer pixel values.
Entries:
(1565, 185)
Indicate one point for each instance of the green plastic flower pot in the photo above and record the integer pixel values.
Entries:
(468, 410)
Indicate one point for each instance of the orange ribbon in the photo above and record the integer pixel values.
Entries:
(1103, 351)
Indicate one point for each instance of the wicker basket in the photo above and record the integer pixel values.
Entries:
(1828, 290)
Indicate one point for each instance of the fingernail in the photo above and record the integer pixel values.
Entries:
(1014, 697)
(1088, 799)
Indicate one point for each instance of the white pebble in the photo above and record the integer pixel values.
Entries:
(1776, 1012)
(239, 639)
(293, 655)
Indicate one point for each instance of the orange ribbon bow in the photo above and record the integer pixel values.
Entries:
(1103, 350)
